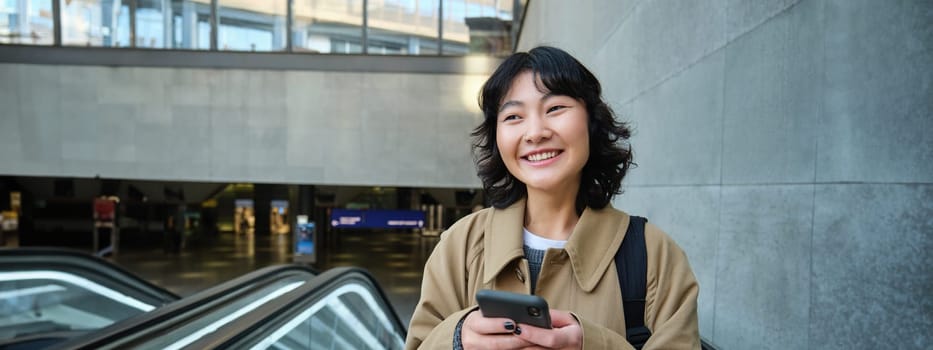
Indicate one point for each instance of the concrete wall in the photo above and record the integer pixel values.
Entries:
(235, 125)
(786, 146)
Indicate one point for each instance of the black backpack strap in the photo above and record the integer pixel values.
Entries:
(632, 266)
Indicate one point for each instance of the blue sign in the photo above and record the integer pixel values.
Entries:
(376, 218)
(304, 242)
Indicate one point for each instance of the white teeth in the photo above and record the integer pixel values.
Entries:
(542, 156)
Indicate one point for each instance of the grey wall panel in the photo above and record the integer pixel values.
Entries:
(304, 147)
(879, 85)
(614, 63)
(763, 272)
(82, 135)
(674, 35)
(815, 93)
(378, 152)
(80, 85)
(237, 125)
(743, 16)
(680, 143)
(39, 96)
(154, 144)
(228, 139)
(343, 158)
(116, 132)
(872, 267)
(448, 167)
(301, 174)
(267, 88)
(190, 142)
(608, 16)
(9, 117)
(267, 146)
(578, 15)
(772, 95)
(690, 215)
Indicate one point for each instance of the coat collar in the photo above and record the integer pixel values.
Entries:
(591, 248)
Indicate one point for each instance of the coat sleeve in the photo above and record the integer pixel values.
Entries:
(596, 336)
(444, 298)
(671, 300)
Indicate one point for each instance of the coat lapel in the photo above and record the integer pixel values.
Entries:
(593, 244)
(503, 239)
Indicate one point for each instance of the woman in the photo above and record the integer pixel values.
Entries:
(551, 157)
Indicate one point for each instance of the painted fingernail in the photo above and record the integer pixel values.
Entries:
(518, 330)
(509, 325)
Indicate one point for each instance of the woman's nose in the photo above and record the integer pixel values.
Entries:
(537, 131)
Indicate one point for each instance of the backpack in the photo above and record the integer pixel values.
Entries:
(632, 267)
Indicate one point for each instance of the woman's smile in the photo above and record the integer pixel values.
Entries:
(542, 157)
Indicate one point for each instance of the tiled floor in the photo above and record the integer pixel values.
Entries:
(395, 259)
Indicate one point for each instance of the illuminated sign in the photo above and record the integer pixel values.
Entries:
(376, 218)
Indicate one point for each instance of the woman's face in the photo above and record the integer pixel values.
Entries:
(542, 137)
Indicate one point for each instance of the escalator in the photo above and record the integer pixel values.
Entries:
(50, 295)
(179, 324)
(343, 308)
(279, 307)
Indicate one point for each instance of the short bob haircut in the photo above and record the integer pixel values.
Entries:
(559, 73)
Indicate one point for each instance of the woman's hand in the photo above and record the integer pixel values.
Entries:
(565, 334)
(480, 332)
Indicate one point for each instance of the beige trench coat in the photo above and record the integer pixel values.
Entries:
(484, 251)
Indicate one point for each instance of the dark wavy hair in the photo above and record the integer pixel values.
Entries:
(559, 73)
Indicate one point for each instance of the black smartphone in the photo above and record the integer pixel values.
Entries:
(521, 308)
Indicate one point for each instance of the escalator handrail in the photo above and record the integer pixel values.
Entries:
(707, 345)
(41, 258)
(180, 311)
(290, 304)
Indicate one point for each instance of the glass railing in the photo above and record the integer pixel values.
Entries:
(415, 27)
(177, 325)
(343, 308)
(48, 296)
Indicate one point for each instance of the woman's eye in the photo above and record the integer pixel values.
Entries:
(510, 117)
(555, 108)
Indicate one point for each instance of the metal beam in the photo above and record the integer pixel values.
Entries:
(289, 22)
(365, 27)
(132, 23)
(215, 20)
(57, 22)
(125, 57)
(440, 27)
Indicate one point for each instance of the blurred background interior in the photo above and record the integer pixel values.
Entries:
(784, 145)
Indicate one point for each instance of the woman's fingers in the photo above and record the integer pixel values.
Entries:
(476, 323)
(561, 319)
(479, 332)
(566, 333)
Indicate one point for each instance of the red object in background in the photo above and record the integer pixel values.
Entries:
(104, 209)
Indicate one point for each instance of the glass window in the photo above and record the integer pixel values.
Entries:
(328, 26)
(403, 27)
(95, 23)
(191, 24)
(27, 22)
(477, 27)
(252, 25)
(154, 24)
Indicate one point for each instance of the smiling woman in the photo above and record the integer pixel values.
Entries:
(542, 139)
(551, 156)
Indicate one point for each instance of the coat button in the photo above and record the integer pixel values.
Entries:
(520, 275)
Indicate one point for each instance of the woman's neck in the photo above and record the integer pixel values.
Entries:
(549, 215)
